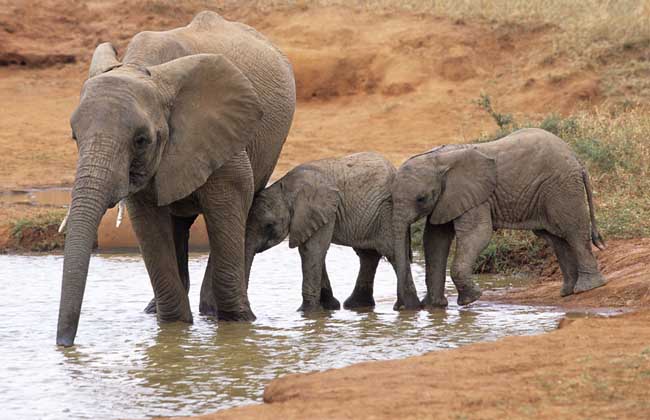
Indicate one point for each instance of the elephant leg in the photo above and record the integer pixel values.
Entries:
(327, 299)
(437, 242)
(208, 300)
(566, 259)
(312, 256)
(407, 296)
(153, 229)
(225, 200)
(181, 228)
(361, 296)
(473, 233)
(589, 276)
(568, 220)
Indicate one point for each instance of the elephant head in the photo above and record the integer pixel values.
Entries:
(268, 222)
(296, 206)
(162, 129)
(442, 185)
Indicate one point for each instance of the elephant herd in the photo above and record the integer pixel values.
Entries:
(192, 121)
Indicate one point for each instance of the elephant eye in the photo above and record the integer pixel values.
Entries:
(421, 198)
(141, 140)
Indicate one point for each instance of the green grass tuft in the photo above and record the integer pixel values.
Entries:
(40, 232)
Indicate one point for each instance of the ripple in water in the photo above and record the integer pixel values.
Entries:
(125, 364)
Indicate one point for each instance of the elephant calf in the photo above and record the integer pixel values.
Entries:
(345, 201)
(529, 179)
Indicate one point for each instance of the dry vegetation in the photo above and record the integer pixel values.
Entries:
(615, 148)
(590, 32)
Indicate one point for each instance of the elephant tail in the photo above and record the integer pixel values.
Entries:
(596, 237)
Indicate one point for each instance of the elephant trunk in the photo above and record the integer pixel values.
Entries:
(93, 192)
(402, 254)
(406, 293)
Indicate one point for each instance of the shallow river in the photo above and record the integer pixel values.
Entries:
(125, 364)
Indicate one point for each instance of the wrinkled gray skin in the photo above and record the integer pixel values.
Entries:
(345, 201)
(529, 179)
(190, 121)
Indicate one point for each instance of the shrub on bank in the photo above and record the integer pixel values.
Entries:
(38, 233)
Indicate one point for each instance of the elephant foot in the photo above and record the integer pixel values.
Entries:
(469, 295)
(410, 303)
(434, 302)
(151, 307)
(208, 309)
(359, 300)
(174, 311)
(65, 341)
(328, 301)
(588, 281)
(240, 316)
(567, 289)
(184, 316)
(310, 306)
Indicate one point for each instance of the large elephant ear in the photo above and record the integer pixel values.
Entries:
(104, 59)
(213, 110)
(469, 179)
(313, 208)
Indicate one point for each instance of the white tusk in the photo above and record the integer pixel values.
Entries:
(120, 213)
(64, 222)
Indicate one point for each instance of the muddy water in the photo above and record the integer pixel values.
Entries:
(125, 364)
(55, 197)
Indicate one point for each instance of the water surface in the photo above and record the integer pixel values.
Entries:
(125, 364)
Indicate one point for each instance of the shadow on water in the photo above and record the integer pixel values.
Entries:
(126, 364)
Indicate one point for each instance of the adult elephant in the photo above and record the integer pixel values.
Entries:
(529, 179)
(192, 120)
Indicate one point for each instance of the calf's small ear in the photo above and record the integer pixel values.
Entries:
(313, 208)
(469, 179)
(104, 59)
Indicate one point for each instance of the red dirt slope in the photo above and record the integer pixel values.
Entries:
(625, 265)
(397, 83)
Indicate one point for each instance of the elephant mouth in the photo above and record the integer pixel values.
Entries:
(263, 248)
(416, 218)
(137, 178)
(266, 245)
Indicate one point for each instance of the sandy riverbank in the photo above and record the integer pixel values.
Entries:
(591, 367)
